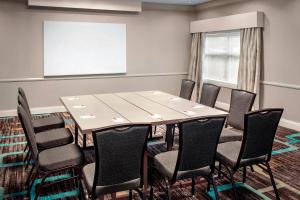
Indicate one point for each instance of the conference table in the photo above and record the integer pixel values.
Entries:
(100, 111)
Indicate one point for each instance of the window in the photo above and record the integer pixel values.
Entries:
(221, 58)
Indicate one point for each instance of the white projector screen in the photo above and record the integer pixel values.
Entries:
(82, 48)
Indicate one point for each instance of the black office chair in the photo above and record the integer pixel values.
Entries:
(241, 102)
(198, 141)
(50, 161)
(45, 123)
(186, 90)
(119, 161)
(209, 94)
(49, 138)
(254, 149)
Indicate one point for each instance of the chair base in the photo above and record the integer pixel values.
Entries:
(232, 172)
(42, 185)
(169, 184)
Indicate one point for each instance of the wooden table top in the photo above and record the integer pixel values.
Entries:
(99, 111)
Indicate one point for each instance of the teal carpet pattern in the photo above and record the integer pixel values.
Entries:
(285, 164)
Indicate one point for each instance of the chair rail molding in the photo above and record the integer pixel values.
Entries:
(92, 77)
(283, 85)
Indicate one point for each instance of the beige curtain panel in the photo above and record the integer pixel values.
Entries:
(195, 68)
(250, 61)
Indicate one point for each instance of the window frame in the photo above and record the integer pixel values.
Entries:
(220, 83)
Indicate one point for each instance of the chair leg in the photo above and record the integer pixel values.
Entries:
(154, 132)
(26, 147)
(130, 195)
(173, 131)
(208, 185)
(251, 167)
(214, 186)
(232, 182)
(244, 174)
(79, 178)
(31, 184)
(193, 186)
(273, 181)
(219, 171)
(233, 185)
(27, 156)
(151, 192)
(81, 189)
(28, 162)
(39, 188)
(169, 192)
(29, 175)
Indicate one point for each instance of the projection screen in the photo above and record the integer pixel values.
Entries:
(83, 48)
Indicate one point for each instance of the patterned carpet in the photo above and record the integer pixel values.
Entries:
(285, 165)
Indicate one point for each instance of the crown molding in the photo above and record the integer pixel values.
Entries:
(216, 3)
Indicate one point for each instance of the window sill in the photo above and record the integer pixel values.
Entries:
(221, 83)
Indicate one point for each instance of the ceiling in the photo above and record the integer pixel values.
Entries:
(178, 2)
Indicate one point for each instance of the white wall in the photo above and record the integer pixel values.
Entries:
(158, 45)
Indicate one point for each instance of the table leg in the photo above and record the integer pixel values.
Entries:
(84, 141)
(169, 136)
(76, 135)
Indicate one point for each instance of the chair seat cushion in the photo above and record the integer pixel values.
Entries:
(229, 135)
(89, 173)
(60, 157)
(165, 163)
(228, 153)
(47, 123)
(54, 138)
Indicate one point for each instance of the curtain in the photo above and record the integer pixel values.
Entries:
(195, 68)
(250, 61)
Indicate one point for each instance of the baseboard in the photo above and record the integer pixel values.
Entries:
(39, 110)
(283, 122)
(290, 124)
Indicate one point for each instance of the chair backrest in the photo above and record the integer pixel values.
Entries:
(28, 130)
(241, 102)
(209, 94)
(23, 95)
(259, 134)
(186, 90)
(198, 140)
(119, 154)
(22, 102)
